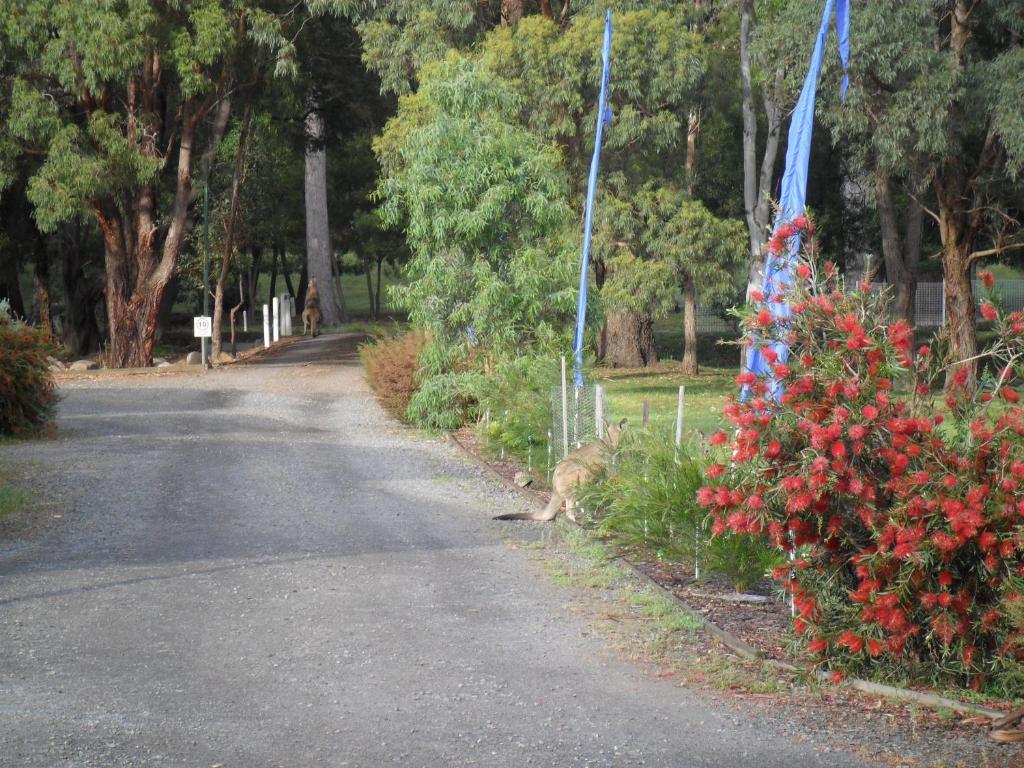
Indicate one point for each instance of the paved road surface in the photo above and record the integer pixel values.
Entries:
(261, 569)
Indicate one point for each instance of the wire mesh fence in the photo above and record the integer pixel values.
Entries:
(576, 419)
(929, 306)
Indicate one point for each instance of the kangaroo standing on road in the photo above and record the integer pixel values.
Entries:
(577, 469)
(311, 314)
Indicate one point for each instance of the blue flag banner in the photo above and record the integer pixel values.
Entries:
(779, 268)
(604, 117)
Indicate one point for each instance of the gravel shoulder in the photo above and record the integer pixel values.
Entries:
(261, 569)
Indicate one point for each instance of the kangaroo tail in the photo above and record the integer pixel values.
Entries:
(544, 516)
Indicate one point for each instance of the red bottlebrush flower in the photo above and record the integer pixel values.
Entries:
(838, 449)
(719, 438)
(857, 432)
(776, 245)
(800, 222)
(851, 641)
(838, 677)
(745, 379)
(1010, 395)
(968, 654)
(764, 317)
(781, 370)
(786, 231)
(870, 412)
(818, 645)
(875, 648)
(705, 496)
(756, 295)
(803, 271)
(945, 599)
(770, 355)
(945, 578)
(755, 502)
(715, 470)
(988, 311)
(987, 278)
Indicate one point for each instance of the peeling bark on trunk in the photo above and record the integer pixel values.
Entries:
(368, 270)
(690, 366)
(630, 340)
(511, 12)
(41, 286)
(137, 269)
(319, 254)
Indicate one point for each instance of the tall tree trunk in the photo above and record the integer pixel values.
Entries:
(253, 276)
(368, 270)
(511, 12)
(630, 340)
(275, 257)
(41, 285)
(319, 254)
(958, 227)
(376, 294)
(901, 255)
(80, 332)
(757, 185)
(229, 240)
(286, 273)
(689, 367)
(300, 296)
(137, 270)
(10, 285)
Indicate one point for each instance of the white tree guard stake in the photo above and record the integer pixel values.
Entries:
(565, 414)
(245, 321)
(277, 318)
(679, 416)
(599, 410)
(266, 326)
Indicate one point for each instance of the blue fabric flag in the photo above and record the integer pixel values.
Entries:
(779, 269)
(604, 117)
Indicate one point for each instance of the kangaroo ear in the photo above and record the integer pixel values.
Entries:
(623, 423)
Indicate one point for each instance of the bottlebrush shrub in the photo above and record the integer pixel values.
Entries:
(27, 391)
(904, 512)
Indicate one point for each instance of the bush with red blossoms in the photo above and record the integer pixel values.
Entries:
(903, 506)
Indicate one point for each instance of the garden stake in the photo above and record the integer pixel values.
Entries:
(647, 412)
(565, 414)
(679, 416)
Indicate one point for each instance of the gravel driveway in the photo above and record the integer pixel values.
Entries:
(261, 569)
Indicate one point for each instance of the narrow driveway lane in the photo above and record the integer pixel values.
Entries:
(262, 570)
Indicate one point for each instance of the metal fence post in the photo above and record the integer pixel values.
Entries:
(599, 410)
(565, 414)
(277, 313)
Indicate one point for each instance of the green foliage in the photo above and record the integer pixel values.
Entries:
(485, 217)
(28, 395)
(647, 502)
(517, 392)
(445, 401)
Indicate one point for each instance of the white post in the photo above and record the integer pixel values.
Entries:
(565, 414)
(290, 314)
(599, 410)
(942, 288)
(679, 415)
(277, 318)
(245, 320)
(266, 326)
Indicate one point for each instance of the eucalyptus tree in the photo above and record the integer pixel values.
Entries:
(933, 115)
(125, 101)
(483, 205)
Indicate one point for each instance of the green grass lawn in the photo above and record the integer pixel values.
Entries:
(706, 394)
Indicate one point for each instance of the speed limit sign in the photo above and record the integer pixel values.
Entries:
(203, 327)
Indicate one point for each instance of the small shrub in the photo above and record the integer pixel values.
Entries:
(445, 401)
(28, 395)
(392, 366)
(518, 395)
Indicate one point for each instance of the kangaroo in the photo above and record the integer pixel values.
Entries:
(311, 314)
(577, 469)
